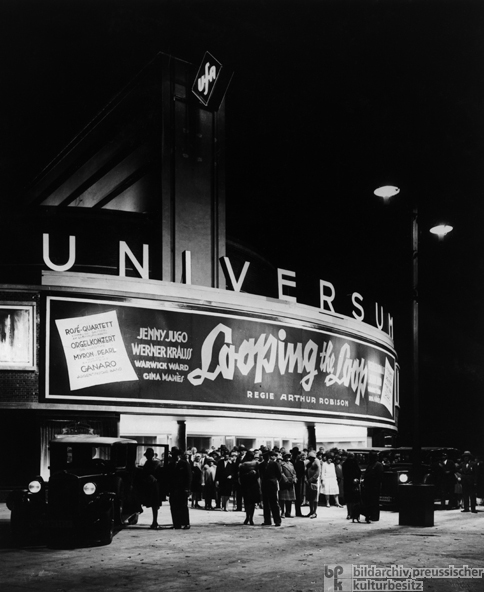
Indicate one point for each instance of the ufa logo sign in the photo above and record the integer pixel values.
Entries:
(206, 78)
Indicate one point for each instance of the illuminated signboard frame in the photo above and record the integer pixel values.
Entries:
(17, 336)
(166, 355)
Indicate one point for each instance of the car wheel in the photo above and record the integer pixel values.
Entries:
(107, 527)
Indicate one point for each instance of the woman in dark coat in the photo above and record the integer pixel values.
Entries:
(250, 486)
(150, 485)
(351, 479)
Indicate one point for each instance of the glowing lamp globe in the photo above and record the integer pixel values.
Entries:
(441, 230)
(386, 192)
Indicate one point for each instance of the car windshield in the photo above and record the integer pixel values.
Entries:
(393, 457)
(65, 456)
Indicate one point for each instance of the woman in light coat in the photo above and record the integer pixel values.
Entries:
(329, 482)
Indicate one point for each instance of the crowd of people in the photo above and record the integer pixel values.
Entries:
(286, 484)
(460, 482)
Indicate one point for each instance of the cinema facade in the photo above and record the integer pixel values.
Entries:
(126, 310)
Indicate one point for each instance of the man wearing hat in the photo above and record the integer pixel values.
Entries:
(468, 472)
(447, 470)
(271, 475)
(237, 488)
(300, 466)
(180, 478)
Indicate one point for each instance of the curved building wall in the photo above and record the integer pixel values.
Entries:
(208, 349)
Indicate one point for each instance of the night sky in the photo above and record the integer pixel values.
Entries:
(329, 100)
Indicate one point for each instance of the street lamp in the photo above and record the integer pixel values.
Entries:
(441, 230)
(386, 192)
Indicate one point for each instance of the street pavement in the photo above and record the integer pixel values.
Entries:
(219, 553)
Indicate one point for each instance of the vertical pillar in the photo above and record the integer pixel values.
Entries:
(181, 436)
(311, 436)
(417, 468)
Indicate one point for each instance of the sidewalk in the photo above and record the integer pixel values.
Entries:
(218, 553)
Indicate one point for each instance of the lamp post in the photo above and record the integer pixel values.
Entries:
(386, 192)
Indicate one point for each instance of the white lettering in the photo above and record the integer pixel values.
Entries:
(261, 354)
(209, 76)
(235, 284)
(46, 254)
(361, 316)
(325, 298)
(281, 281)
(379, 318)
(390, 325)
(350, 372)
(143, 270)
(327, 289)
(187, 267)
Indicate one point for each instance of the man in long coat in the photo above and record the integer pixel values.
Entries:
(372, 481)
(179, 483)
(468, 476)
(271, 475)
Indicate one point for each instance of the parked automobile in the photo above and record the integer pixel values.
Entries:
(398, 468)
(92, 490)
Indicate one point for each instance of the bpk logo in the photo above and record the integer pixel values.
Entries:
(337, 578)
(206, 78)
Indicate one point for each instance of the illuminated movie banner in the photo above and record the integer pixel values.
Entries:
(111, 351)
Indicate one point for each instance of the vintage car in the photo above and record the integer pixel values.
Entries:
(91, 491)
(398, 468)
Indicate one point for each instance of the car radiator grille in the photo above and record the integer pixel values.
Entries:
(63, 495)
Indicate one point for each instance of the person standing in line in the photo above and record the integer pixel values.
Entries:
(238, 492)
(209, 471)
(300, 487)
(287, 493)
(150, 485)
(225, 477)
(313, 479)
(480, 480)
(468, 477)
(250, 486)
(351, 477)
(339, 478)
(270, 473)
(179, 483)
(329, 482)
(196, 466)
(372, 481)
(447, 470)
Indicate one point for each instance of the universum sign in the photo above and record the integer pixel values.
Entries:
(285, 278)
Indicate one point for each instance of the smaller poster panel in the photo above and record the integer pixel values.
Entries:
(17, 342)
(94, 350)
(387, 389)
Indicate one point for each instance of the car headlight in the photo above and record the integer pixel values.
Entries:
(403, 477)
(35, 486)
(89, 488)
